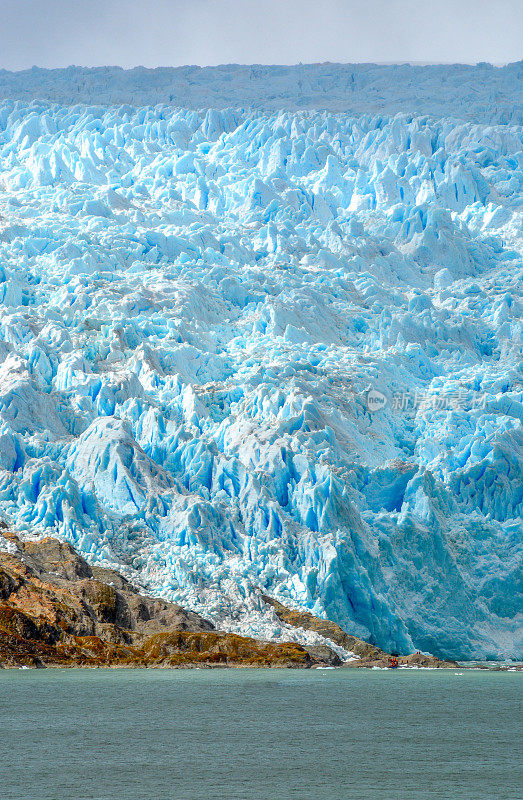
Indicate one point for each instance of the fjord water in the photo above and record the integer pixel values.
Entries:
(259, 735)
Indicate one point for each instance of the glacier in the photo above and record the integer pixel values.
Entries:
(273, 345)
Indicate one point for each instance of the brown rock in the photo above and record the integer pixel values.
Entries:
(330, 630)
(57, 610)
(369, 654)
(324, 654)
(58, 558)
(412, 660)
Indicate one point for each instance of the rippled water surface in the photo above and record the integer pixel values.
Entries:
(259, 735)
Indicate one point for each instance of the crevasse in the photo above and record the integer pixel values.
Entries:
(195, 305)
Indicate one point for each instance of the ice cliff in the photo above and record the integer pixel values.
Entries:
(480, 93)
(272, 350)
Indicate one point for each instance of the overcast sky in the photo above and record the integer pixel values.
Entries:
(57, 33)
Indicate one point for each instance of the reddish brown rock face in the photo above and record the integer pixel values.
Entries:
(330, 630)
(56, 610)
(369, 655)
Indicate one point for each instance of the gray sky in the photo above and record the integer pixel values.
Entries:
(57, 33)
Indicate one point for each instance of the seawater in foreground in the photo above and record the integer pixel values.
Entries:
(259, 735)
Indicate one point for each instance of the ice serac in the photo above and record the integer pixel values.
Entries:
(276, 352)
(480, 92)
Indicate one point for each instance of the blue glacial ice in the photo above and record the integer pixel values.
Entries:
(195, 304)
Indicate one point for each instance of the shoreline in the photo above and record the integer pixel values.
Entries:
(468, 666)
(59, 612)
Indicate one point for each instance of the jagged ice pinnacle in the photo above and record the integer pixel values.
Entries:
(195, 306)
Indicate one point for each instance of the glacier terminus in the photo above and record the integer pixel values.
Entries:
(262, 340)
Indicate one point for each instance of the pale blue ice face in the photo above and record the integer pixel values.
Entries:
(55, 33)
(275, 350)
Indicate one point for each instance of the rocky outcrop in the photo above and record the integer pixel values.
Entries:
(413, 660)
(330, 630)
(56, 610)
(368, 654)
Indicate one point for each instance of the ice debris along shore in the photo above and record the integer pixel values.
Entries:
(194, 307)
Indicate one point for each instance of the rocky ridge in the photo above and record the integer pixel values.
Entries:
(368, 655)
(57, 610)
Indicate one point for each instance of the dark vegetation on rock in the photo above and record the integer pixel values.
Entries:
(56, 610)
